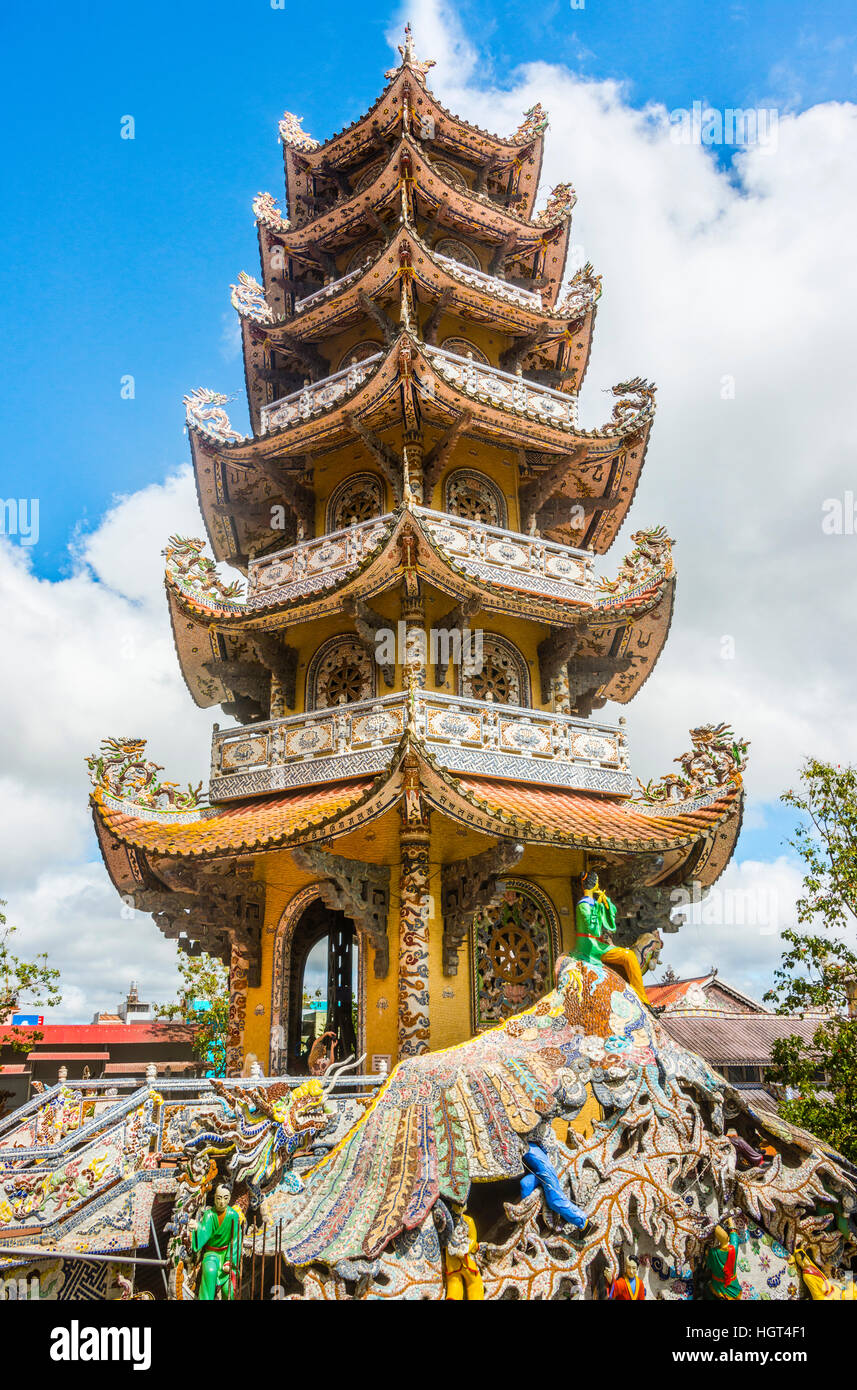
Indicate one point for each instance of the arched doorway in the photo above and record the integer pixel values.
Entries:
(316, 984)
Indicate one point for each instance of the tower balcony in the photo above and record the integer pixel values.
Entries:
(471, 275)
(464, 736)
(317, 396)
(507, 389)
(488, 553)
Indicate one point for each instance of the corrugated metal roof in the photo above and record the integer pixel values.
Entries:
(757, 1096)
(736, 1039)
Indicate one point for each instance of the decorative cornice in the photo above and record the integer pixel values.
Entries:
(204, 413)
(121, 771)
(248, 297)
(716, 760)
(292, 135)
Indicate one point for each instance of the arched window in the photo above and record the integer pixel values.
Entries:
(341, 673)
(358, 498)
(464, 348)
(514, 946)
(475, 497)
(449, 173)
(367, 252)
(457, 251)
(359, 352)
(504, 676)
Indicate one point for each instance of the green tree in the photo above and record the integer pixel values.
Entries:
(202, 979)
(23, 982)
(819, 972)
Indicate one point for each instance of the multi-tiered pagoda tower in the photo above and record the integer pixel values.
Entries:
(419, 675)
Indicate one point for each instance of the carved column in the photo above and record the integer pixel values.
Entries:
(239, 968)
(415, 654)
(414, 911)
(412, 458)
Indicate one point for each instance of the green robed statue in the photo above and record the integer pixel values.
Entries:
(217, 1236)
(595, 921)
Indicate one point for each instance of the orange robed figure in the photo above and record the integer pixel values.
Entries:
(628, 1288)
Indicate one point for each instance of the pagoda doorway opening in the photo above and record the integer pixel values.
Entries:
(323, 969)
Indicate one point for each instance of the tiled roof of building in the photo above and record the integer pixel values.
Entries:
(671, 993)
(241, 826)
(736, 1039)
(587, 819)
(68, 1056)
(138, 1068)
(105, 1034)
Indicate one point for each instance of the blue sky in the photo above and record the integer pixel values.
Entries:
(118, 257)
(118, 253)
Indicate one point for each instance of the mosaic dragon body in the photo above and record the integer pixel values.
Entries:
(653, 1174)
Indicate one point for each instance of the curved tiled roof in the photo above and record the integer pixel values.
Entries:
(242, 827)
(552, 813)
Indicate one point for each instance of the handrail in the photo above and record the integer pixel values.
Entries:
(305, 402)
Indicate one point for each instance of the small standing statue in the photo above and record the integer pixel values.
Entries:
(595, 920)
(321, 1054)
(721, 1260)
(628, 1288)
(463, 1280)
(217, 1237)
(820, 1285)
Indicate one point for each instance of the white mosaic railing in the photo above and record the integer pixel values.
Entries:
(317, 396)
(314, 565)
(329, 290)
(488, 553)
(527, 562)
(505, 389)
(480, 279)
(466, 736)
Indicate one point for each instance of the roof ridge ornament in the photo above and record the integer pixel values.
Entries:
(266, 211)
(248, 297)
(410, 60)
(626, 413)
(196, 575)
(716, 759)
(649, 562)
(204, 412)
(291, 134)
(584, 288)
(558, 206)
(122, 770)
(535, 122)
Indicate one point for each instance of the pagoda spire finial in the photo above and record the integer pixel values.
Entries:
(410, 59)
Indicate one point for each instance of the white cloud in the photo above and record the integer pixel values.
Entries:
(93, 656)
(738, 926)
(77, 917)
